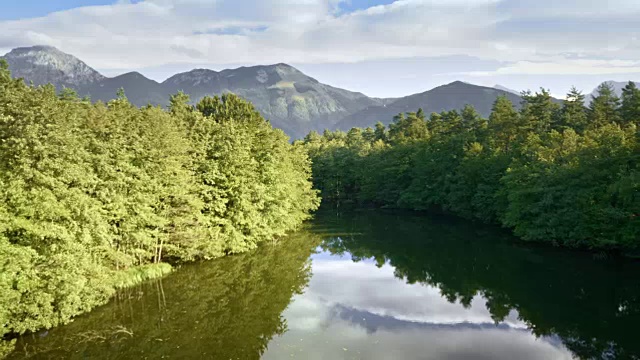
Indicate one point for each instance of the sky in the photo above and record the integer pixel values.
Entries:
(383, 48)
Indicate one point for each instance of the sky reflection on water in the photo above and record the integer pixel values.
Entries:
(358, 310)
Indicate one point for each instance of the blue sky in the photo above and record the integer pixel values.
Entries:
(383, 48)
(34, 8)
(352, 5)
(21, 9)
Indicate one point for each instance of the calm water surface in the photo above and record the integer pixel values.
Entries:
(370, 285)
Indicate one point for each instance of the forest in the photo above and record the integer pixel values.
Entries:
(100, 196)
(561, 173)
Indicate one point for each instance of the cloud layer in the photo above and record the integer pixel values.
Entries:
(580, 37)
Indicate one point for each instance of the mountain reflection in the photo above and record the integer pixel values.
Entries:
(374, 322)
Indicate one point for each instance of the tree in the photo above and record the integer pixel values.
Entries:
(98, 196)
(179, 104)
(538, 111)
(574, 113)
(630, 108)
(369, 135)
(544, 172)
(470, 117)
(504, 124)
(313, 137)
(5, 74)
(355, 138)
(452, 121)
(380, 132)
(603, 109)
(408, 128)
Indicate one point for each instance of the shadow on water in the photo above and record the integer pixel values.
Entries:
(591, 304)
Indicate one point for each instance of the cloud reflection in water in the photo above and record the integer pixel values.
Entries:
(357, 310)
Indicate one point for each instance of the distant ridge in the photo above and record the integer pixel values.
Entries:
(446, 97)
(288, 98)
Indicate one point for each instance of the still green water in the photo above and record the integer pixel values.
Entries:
(370, 285)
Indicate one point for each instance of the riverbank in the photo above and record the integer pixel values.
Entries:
(119, 280)
(89, 189)
(382, 284)
(184, 314)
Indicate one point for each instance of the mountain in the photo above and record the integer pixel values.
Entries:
(504, 88)
(290, 99)
(139, 89)
(453, 96)
(46, 64)
(285, 96)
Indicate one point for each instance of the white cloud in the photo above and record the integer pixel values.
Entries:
(564, 67)
(530, 37)
(357, 286)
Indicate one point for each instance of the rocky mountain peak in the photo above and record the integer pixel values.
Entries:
(46, 64)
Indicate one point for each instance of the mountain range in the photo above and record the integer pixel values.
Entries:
(288, 98)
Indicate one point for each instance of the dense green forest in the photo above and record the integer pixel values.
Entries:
(561, 173)
(99, 196)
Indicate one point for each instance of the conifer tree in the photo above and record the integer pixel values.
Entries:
(504, 123)
(574, 113)
(380, 132)
(630, 107)
(538, 111)
(546, 172)
(603, 109)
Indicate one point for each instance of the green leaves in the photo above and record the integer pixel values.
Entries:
(92, 194)
(566, 175)
(254, 184)
(630, 107)
(603, 109)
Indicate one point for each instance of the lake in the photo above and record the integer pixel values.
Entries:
(370, 285)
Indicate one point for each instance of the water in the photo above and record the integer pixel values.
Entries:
(370, 285)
